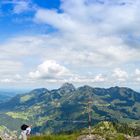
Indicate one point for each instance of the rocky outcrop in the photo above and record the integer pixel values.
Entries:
(135, 138)
(97, 137)
(90, 137)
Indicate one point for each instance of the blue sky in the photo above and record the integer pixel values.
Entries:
(22, 22)
(44, 43)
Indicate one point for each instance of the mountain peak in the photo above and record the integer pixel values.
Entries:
(68, 87)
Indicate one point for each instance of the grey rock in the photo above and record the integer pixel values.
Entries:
(90, 137)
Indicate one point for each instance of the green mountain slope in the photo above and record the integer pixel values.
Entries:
(66, 108)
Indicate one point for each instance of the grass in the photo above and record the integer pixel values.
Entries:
(55, 137)
(73, 137)
(18, 115)
(107, 130)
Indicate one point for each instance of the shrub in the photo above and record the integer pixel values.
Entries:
(120, 137)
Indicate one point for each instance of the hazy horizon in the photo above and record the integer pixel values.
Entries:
(26, 90)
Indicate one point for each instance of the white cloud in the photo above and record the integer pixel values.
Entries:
(36, 49)
(8, 70)
(18, 77)
(6, 80)
(120, 74)
(93, 30)
(21, 6)
(90, 36)
(137, 72)
(137, 75)
(99, 78)
(102, 18)
(9, 67)
(62, 21)
(99, 35)
(50, 70)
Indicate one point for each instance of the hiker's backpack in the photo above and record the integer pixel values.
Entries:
(24, 127)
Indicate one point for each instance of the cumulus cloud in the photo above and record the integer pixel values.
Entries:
(97, 37)
(53, 72)
(50, 69)
(95, 30)
(137, 75)
(137, 71)
(120, 74)
(99, 78)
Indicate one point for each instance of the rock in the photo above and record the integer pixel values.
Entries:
(135, 138)
(132, 138)
(90, 137)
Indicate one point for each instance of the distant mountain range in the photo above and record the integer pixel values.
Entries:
(4, 95)
(66, 108)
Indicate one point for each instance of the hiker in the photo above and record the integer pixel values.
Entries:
(26, 130)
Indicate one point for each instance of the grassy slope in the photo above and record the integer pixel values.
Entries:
(56, 137)
(74, 137)
(107, 130)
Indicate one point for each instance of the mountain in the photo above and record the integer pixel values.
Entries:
(9, 93)
(4, 96)
(67, 88)
(66, 108)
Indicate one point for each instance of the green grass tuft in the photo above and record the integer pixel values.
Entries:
(55, 137)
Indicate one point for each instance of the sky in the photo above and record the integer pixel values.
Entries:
(45, 43)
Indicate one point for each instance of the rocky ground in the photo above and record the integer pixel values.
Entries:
(90, 137)
(96, 137)
(7, 136)
(134, 138)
